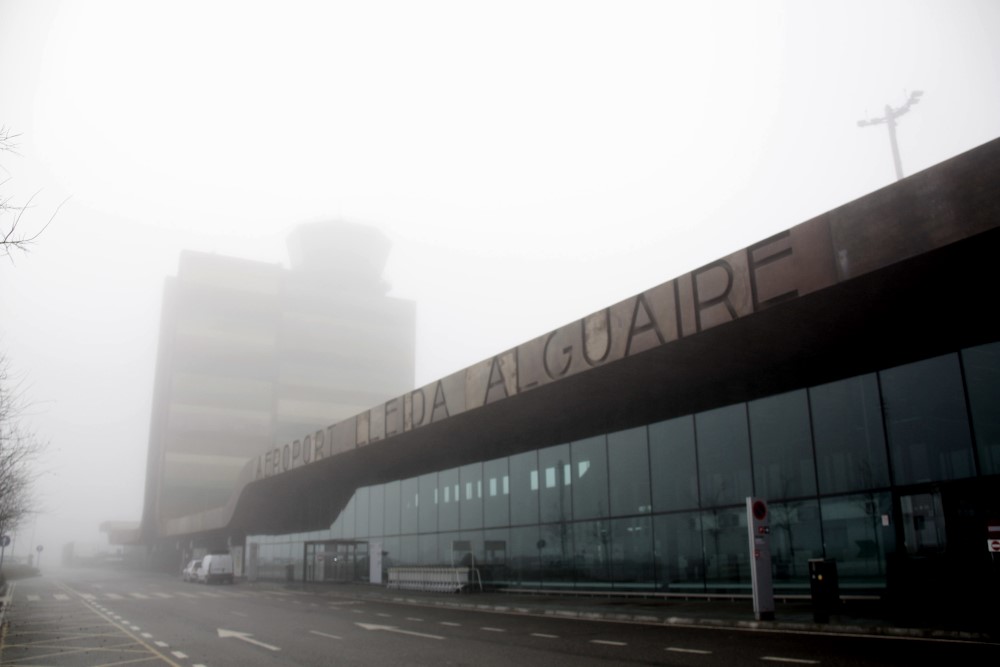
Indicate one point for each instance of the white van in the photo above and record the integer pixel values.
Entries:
(216, 567)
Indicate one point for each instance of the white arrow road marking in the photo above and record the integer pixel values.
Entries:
(247, 637)
(323, 634)
(390, 628)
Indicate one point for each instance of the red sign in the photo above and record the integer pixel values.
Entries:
(994, 545)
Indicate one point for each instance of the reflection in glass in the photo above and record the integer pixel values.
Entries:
(392, 508)
(470, 486)
(427, 503)
(496, 493)
(680, 562)
(590, 478)
(982, 377)
(795, 538)
(727, 557)
(850, 441)
(592, 553)
(723, 456)
(628, 470)
(858, 534)
(524, 488)
(555, 503)
(410, 491)
(672, 464)
(448, 495)
(782, 446)
(926, 420)
(632, 564)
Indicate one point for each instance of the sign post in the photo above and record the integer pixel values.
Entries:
(759, 535)
(4, 542)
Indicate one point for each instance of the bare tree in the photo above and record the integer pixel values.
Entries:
(12, 234)
(19, 451)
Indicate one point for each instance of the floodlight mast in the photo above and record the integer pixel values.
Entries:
(890, 120)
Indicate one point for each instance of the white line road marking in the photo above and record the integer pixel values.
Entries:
(146, 635)
(178, 654)
(162, 644)
(115, 596)
(139, 596)
(391, 628)
(241, 613)
(323, 634)
(135, 628)
(88, 596)
(451, 625)
(188, 595)
(358, 611)
(246, 637)
(61, 596)
(676, 649)
(34, 598)
(544, 636)
(384, 615)
(607, 642)
(798, 661)
(414, 619)
(493, 629)
(165, 596)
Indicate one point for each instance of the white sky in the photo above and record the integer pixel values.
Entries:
(532, 162)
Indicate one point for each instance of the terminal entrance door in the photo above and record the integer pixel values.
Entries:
(336, 561)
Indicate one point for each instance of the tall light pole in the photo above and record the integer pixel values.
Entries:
(890, 119)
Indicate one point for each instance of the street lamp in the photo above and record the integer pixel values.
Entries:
(890, 119)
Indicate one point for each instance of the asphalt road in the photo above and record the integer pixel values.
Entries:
(77, 618)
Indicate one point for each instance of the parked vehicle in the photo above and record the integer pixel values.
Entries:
(190, 572)
(216, 568)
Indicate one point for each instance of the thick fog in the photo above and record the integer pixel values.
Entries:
(531, 162)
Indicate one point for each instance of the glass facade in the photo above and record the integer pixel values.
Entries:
(661, 507)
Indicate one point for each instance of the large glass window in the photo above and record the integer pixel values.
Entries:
(850, 441)
(523, 557)
(590, 478)
(781, 443)
(632, 563)
(495, 567)
(680, 562)
(673, 465)
(858, 533)
(496, 493)
(524, 488)
(392, 507)
(361, 512)
(554, 482)
(982, 377)
(410, 490)
(723, 456)
(926, 420)
(376, 511)
(592, 553)
(470, 488)
(427, 504)
(555, 550)
(727, 556)
(449, 495)
(795, 538)
(628, 470)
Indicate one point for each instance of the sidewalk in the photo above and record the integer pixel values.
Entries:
(861, 617)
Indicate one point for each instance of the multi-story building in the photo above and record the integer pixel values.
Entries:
(253, 354)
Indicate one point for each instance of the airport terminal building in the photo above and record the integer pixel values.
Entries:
(846, 370)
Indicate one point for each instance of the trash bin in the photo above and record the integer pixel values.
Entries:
(824, 587)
